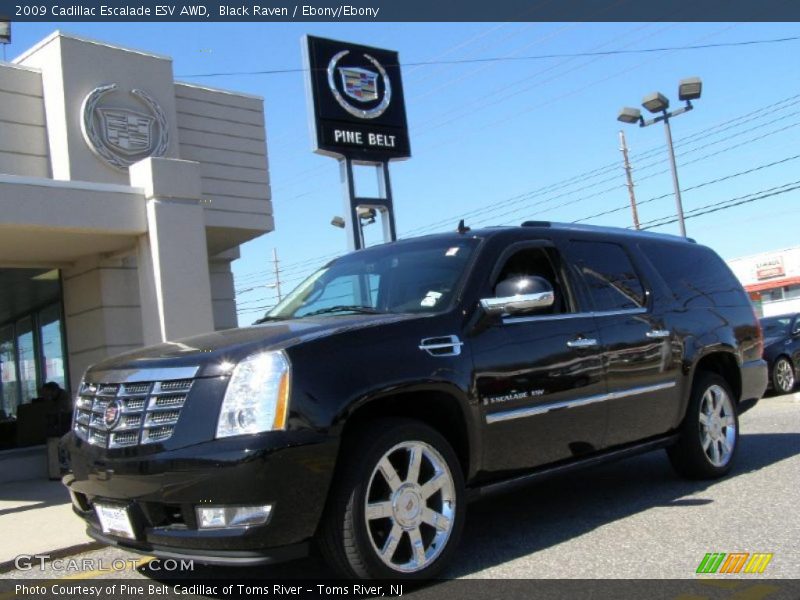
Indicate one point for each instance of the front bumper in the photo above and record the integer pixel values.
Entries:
(289, 470)
(754, 383)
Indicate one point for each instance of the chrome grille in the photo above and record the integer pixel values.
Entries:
(148, 411)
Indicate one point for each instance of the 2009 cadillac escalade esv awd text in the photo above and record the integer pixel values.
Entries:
(401, 381)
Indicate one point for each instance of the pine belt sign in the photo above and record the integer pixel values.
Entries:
(356, 95)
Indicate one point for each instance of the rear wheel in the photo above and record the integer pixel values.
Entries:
(398, 508)
(710, 431)
(783, 379)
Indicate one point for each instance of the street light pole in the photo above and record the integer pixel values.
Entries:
(678, 200)
(688, 90)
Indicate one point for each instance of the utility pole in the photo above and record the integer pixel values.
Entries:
(623, 146)
(277, 284)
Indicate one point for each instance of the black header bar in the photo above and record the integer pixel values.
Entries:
(401, 10)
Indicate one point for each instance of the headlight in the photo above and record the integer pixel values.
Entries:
(257, 397)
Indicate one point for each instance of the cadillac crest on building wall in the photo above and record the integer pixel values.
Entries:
(120, 136)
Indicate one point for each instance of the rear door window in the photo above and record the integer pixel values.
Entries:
(695, 274)
(609, 275)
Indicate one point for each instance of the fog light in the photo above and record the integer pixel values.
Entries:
(217, 517)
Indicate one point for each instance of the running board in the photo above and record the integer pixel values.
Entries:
(506, 485)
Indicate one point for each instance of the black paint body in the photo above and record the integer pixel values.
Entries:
(347, 366)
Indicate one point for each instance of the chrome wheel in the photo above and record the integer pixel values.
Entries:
(784, 376)
(717, 426)
(410, 506)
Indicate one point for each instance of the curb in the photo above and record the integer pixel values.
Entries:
(8, 566)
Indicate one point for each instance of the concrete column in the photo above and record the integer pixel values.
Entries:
(101, 311)
(223, 294)
(174, 283)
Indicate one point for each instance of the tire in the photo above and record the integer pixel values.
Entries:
(376, 470)
(783, 376)
(707, 444)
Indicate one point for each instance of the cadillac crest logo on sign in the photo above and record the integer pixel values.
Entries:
(361, 85)
(120, 136)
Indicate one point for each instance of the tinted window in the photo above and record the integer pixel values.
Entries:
(392, 278)
(609, 275)
(695, 274)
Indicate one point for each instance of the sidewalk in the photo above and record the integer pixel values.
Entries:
(36, 518)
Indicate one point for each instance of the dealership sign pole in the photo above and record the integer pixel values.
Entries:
(357, 115)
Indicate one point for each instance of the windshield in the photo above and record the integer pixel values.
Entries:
(775, 326)
(418, 277)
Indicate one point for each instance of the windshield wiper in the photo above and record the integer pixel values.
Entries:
(344, 308)
(267, 318)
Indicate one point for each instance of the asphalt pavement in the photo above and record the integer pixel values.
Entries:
(633, 519)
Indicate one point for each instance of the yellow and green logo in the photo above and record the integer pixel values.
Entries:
(735, 562)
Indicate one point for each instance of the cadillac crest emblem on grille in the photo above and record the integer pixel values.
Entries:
(112, 414)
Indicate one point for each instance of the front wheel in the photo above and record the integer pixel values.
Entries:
(398, 507)
(783, 376)
(709, 434)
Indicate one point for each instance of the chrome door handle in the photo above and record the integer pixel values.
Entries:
(658, 333)
(582, 343)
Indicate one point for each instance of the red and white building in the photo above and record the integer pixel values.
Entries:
(772, 279)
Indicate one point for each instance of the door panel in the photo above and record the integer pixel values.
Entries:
(641, 373)
(640, 368)
(536, 391)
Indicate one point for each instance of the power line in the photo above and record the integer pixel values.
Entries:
(697, 212)
(733, 202)
(526, 206)
(691, 188)
(314, 262)
(464, 61)
(571, 181)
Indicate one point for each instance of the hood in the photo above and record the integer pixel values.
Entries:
(210, 350)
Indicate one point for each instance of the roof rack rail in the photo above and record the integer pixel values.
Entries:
(536, 224)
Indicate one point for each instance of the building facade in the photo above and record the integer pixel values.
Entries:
(772, 279)
(124, 197)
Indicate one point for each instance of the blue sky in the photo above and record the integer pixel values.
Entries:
(502, 142)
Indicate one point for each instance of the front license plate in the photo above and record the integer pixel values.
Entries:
(115, 520)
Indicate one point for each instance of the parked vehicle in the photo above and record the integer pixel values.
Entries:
(782, 350)
(400, 382)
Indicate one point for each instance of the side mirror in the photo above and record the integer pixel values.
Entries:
(519, 295)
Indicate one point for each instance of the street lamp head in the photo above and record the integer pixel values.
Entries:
(5, 30)
(655, 102)
(690, 88)
(629, 115)
(338, 222)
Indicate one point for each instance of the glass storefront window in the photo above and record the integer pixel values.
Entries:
(52, 346)
(791, 291)
(9, 393)
(26, 352)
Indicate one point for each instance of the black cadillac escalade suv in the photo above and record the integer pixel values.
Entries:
(397, 383)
